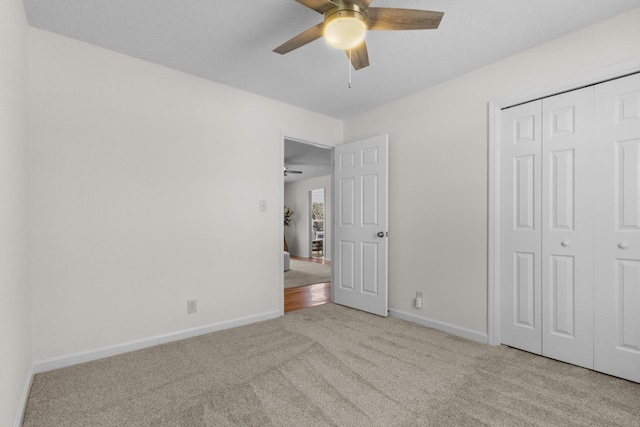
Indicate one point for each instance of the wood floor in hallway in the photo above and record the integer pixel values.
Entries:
(309, 295)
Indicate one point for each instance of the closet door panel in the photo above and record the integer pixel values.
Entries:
(520, 231)
(567, 227)
(617, 215)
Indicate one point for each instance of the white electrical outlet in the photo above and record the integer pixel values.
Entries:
(192, 306)
(418, 299)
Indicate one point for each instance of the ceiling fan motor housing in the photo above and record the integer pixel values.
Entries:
(344, 25)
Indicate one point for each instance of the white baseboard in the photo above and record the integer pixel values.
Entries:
(22, 404)
(100, 353)
(441, 326)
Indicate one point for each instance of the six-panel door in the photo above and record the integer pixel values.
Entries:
(360, 225)
(567, 227)
(617, 214)
(521, 246)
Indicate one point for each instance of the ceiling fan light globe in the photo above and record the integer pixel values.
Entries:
(345, 30)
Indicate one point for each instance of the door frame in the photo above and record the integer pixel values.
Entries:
(494, 218)
(292, 136)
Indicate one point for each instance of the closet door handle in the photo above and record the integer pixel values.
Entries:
(623, 245)
(565, 243)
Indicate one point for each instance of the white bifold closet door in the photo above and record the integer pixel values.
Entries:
(570, 233)
(547, 227)
(567, 227)
(521, 243)
(617, 228)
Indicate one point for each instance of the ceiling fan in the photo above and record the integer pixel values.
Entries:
(346, 22)
(288, 171)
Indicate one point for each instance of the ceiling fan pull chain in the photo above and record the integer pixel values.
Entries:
(349, 68)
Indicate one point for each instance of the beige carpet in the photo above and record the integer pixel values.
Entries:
(330, 366)
(303, 273)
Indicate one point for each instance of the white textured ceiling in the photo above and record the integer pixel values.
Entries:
(312, 161)
(231, 42)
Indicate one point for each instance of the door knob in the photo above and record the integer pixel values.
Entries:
(380, 234)
(565, 243)
(623, 245)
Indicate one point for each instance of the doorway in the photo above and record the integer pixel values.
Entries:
(306, 195)
(359, 177)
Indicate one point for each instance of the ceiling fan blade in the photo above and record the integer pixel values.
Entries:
(362, 4)
(320, 6)
(383, 18)
(359, 56)
(301, 39)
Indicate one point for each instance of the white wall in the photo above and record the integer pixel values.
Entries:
(438, 169)
(15, 325)
(296, 197)
(145, 193)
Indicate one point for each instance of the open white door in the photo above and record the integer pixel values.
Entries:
(360, 225)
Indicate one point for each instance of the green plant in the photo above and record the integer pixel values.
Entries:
(288, 216)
